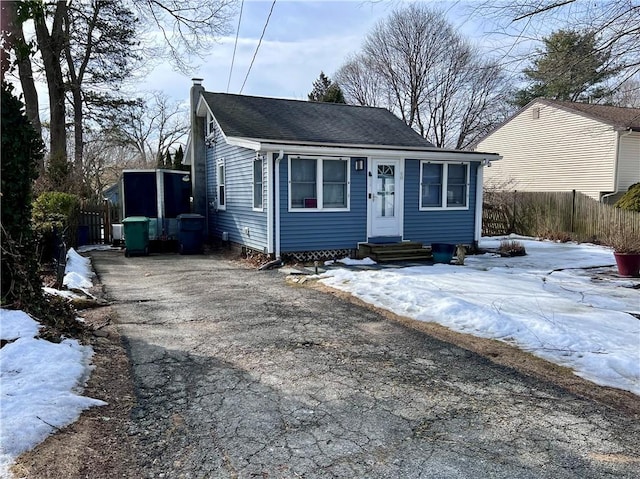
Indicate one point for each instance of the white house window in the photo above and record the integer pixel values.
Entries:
(457, 185)
(211, 124)
(319, 183)
(222, 200)
(444, 185)
(257, 184)
(432, 185)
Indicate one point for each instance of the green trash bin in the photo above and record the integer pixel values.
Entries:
(136, 235)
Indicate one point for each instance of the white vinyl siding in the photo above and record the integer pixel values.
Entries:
(628, 160)
(558, 151)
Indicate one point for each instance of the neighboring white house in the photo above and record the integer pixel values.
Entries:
(552, 145)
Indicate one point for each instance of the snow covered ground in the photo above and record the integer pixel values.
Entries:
(546, 303)
(552, 302)
(41, 382)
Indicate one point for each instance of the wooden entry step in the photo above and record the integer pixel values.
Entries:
(404, 251)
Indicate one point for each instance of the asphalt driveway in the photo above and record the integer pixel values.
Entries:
(238, 374)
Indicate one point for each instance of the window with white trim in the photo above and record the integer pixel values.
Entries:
(318, 183)
(220, 170)
(444, 185)
(211, 125)
(258, 193)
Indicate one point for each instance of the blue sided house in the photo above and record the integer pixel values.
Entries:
(311, 180)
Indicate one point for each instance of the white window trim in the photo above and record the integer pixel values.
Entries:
(253, 183)
(319, 183)
(210, 127)
(221, 164)
(445, 179)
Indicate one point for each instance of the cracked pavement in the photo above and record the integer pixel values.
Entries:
(239, 375)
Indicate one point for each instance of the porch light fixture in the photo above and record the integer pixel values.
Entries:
(486, 162)
(359, 164)
(209, 142)
(186, 178)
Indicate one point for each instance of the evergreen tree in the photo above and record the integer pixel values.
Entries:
(570, 67)
(21, 151)
(178, 158)
(324, 90)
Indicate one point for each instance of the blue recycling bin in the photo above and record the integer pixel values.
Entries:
(83, 235)
(190, 233)
(442, 252)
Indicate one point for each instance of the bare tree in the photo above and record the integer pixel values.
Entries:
(628, 94)
(404, 49)
(416, 64)
(150, 128)
(182, 30)
(104, 162)
(361, 82)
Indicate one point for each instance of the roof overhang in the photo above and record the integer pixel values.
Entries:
(417, 153)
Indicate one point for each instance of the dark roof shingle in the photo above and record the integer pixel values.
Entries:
(277, 119)
(616, 116)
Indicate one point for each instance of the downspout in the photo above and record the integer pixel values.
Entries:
(617, 165)
(479, 198)
(277, 202)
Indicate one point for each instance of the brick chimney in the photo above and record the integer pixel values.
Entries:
(198, 152)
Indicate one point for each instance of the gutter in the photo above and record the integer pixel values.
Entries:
(414, 153)
(479, 199)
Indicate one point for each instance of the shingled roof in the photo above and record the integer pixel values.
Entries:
(274, 119)
(619, 117)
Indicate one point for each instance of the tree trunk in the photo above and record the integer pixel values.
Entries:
(51, 46)
(25, 71)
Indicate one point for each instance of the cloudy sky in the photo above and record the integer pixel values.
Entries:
(302, 39)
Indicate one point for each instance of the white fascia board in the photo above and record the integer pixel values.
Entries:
(417, 154)
(202, 108)
(245, 143)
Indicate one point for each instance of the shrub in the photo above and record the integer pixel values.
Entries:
(55, 214)
(631, 199)
(21, 151)
(511, 248)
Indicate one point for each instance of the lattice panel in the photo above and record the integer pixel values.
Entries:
(320, 255)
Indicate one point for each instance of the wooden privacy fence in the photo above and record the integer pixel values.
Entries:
(94, 226)
(561, 215)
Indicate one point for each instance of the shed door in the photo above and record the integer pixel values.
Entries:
(385, 198)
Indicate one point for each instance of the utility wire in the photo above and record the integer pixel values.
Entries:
(235, 45)
(258, 47)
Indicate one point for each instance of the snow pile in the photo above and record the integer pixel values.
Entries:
(352, 262)
(561, 315)
(41, 381)
(78, 273)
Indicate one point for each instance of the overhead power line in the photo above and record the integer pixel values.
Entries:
(235, 45)
(258, 47)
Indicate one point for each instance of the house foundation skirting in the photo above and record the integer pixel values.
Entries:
(320, 255)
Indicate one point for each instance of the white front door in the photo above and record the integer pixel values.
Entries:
(385, 198)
